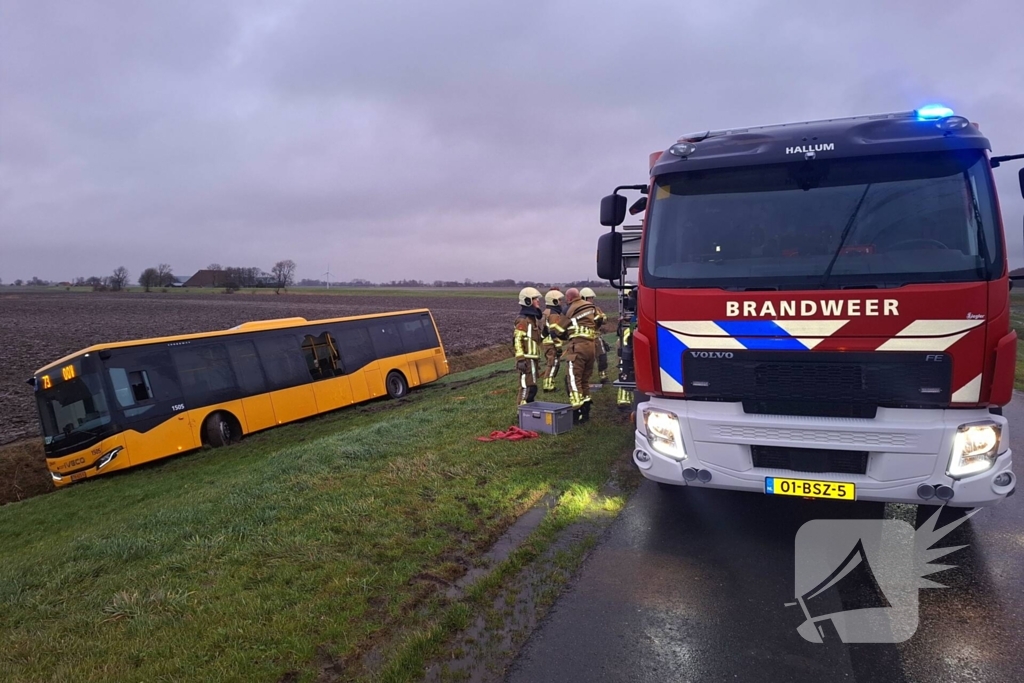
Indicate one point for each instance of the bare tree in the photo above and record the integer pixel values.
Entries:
(283, 274)
(150, 278)
(164, 275)
(119, 280)
(214, 266)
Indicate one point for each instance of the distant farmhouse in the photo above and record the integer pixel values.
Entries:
(228, 277)
(206, 278)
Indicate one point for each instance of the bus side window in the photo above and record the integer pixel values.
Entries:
(386, 340)
(428, 328)
(206, 374)
(414, 337)
(354, 343)
(282, 361)
(321, 355)
(309, 355)
(139, 381)
(122, 387)
(248, 368)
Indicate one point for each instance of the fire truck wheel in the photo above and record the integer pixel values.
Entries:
(396, 385)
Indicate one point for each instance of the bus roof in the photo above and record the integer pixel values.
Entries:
(251, 326)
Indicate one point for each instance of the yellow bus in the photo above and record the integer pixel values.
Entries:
(113, 406)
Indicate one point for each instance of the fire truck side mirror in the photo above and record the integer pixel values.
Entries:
(1020, 179)
(613, 210)
(638, 206)
(609, 255)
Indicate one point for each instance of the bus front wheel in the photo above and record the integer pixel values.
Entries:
(221, 429)
(396, 385)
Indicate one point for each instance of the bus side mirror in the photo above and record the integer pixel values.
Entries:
(609, 253)
(1020, 179)
(613, 210)
(640, 205)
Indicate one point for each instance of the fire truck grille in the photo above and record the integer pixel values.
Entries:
(810, 459)
(826, 384)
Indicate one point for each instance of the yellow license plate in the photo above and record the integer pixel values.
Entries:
(809, 488)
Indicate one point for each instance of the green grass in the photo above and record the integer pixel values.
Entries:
(298, 545)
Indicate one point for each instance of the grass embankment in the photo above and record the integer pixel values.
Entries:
(292, 553)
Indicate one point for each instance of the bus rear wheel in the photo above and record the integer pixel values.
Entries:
(396, 385)
(221, 429)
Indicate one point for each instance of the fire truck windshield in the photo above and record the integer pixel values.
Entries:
(884, 220)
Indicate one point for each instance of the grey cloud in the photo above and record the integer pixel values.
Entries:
(406, 139)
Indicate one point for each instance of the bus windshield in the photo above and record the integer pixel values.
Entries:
(881, 221)
(74, 409)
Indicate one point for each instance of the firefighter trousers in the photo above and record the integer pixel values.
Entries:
(527, 368)
(602, 358)
(551, 353)
(579, 356)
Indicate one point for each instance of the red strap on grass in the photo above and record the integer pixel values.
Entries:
(513, 434)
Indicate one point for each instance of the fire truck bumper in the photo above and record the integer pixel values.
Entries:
(900, 456)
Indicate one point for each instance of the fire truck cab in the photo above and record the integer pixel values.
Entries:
(823, 311)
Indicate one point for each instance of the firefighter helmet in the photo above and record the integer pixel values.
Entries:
(553, 298)
(528, 294)
(587, 293)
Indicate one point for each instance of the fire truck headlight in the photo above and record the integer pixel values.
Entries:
(975, 448)
(663, 433)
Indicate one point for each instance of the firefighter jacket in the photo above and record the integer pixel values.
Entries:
(581, 320)
(528, 333)
(554, 326)
(599, 317)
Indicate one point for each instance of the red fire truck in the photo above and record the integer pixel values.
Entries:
(823, 311)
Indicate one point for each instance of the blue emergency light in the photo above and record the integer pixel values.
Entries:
(931, 112)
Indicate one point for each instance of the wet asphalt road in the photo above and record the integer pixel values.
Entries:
(689, 585)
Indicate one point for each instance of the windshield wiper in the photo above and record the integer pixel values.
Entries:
(982, 247)
(842, 238)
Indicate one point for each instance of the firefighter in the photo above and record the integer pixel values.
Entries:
(526, 339)
(579, 352)
(602, 346)
(552, 343)
(626, 326)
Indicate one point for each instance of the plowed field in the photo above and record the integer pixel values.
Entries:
(37, 328)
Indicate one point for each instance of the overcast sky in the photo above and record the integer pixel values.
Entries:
(410, 139)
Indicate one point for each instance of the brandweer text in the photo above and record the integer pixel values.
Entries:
(808, 308)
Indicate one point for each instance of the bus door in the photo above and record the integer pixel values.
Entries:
(257, 403)
(358, 358)
(291, 391)
(330, 385)
(152, 408)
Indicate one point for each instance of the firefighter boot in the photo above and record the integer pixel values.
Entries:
(585, 413)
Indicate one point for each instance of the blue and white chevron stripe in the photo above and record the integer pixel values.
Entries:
(675, 337)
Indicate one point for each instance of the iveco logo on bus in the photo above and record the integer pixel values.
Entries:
(711, 354)
(804, 149)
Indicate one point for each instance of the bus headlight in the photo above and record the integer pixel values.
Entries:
(663, 433)
(975, 447)
(107, 457)
(56, 477)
